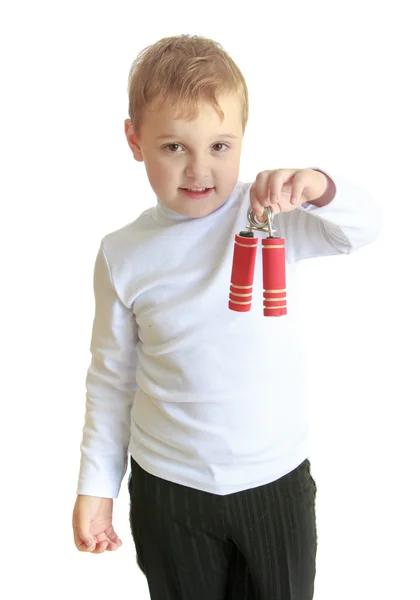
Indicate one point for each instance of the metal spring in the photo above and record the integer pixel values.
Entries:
(267, 225)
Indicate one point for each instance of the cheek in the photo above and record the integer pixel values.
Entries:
(233, 167)
(162, 172)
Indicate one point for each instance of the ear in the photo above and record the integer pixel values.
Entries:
(132, 140)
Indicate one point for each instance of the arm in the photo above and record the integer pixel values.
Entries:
(111, 386)
(343, 220)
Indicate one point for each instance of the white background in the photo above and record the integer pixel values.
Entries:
(332, 85)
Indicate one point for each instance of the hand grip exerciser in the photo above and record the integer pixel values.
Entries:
(274, 268)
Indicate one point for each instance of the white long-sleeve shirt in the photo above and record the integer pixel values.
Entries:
(196, 393)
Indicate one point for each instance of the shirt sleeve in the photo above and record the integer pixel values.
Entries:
(352, 219)
(110, 389)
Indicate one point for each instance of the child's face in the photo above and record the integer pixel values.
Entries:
(201, 153)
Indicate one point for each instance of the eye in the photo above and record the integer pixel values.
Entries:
(169, 147)
(219, 144)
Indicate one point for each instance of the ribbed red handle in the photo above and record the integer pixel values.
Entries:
(274, 277)
(243, 267)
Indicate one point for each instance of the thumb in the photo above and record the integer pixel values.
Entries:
(83, 538)
(88, 540)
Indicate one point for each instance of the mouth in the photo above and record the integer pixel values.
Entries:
(197, 193)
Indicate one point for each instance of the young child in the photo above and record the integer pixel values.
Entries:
(208, 402)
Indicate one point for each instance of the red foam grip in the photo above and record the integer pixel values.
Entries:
(242, 278)
(274, 277)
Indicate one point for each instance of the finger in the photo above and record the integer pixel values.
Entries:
(259, 196)
(256, 206)
(101, 547)
(83, 539)
(86, 543)
(113, 537)
(101, 543)
(262, 191)
(91, 543)
(112, 547)
(278, 181)
(299, 185)
(105, 543)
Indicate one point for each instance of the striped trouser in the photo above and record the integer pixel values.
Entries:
(259, 544)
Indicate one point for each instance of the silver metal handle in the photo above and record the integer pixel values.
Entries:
(267, 225)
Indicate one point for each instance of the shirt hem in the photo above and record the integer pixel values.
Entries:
(219, 490)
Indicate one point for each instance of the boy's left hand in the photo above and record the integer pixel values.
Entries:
(286, 189)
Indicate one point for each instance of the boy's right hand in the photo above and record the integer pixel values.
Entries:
(92, 525)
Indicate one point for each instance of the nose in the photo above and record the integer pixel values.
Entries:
(197, 169)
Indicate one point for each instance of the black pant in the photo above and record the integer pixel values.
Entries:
(259, 544)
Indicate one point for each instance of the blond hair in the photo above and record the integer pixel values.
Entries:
(183, 70)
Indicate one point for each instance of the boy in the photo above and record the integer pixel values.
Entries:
(208, 402)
